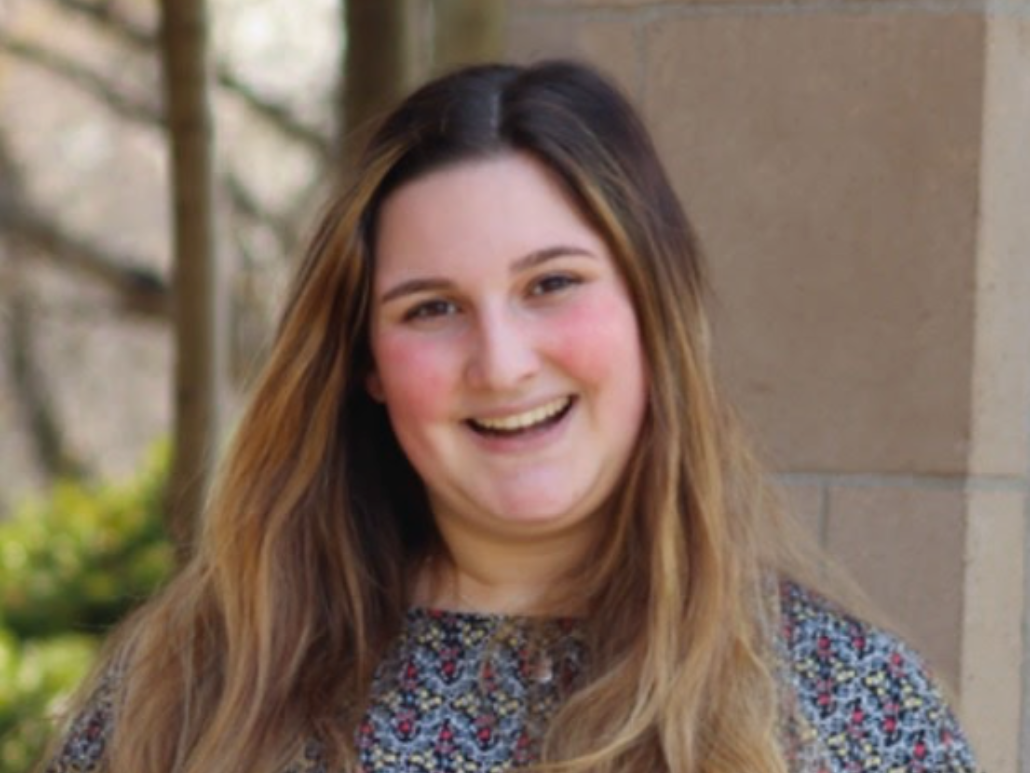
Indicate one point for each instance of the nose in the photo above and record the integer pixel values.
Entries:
(504, 353)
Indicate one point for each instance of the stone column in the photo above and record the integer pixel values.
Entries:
(859, 173)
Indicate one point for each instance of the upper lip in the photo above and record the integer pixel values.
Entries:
(509, 411)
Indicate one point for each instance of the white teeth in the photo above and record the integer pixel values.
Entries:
(525, 420)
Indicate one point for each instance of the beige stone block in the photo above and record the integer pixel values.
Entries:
(650, 5)
(1001, 374)
(905, 547)
(561, 4)
(609, 45)
(992, 632)
(671, 8)
(804, 502)
(831, 164)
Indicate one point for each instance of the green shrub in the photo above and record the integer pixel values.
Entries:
(71, 565)
(36, 677)
(78, 559)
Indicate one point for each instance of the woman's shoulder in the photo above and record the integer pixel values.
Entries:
(864, 693)
(81, 748)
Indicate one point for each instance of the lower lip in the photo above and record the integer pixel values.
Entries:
(525, 441)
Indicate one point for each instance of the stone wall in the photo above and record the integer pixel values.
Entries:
(859, 173)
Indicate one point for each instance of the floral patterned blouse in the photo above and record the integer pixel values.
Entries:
(454, 694)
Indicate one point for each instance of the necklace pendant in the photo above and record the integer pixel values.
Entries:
(544, 671)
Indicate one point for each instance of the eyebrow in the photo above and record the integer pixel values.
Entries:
(535, 258)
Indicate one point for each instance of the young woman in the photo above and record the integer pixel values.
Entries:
(487, 508)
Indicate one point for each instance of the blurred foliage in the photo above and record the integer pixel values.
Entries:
(72, 564)
(77, 559)
(35, 677)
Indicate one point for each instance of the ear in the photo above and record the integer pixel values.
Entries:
(374, 386)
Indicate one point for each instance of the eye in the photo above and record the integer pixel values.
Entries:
(553, 283)
(430, 310)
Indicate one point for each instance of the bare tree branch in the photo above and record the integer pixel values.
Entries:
(144, 39)
(280, 116)
(244, 202)
(90, 82)
(98, 87)
(141, 291)
(28, 381)
(118, 24)
(47, 439)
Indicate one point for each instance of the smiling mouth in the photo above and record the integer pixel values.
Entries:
(538, 418)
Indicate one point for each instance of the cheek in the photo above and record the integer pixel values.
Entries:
(598, 342)
(417, 378)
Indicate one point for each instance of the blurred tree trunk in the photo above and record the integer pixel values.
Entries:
(200, 331)
(394, 44)
(467, 31)
(378, 67)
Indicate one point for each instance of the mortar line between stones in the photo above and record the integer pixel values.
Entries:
(1024, 709)
(1023, 755)
(938, 482)
(641, 63)
(824, 515)
(657, 11)
(822, 487)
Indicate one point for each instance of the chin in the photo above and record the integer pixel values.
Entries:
(539, 518)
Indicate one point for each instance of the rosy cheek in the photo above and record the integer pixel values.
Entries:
(416, 374)
(598, 337)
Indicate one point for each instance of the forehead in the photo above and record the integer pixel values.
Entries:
(495, 209)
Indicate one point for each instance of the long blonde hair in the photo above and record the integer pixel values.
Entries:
(270, 636)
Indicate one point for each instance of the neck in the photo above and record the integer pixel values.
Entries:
(482, 573)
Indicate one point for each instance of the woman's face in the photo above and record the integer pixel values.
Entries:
(505, 348)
